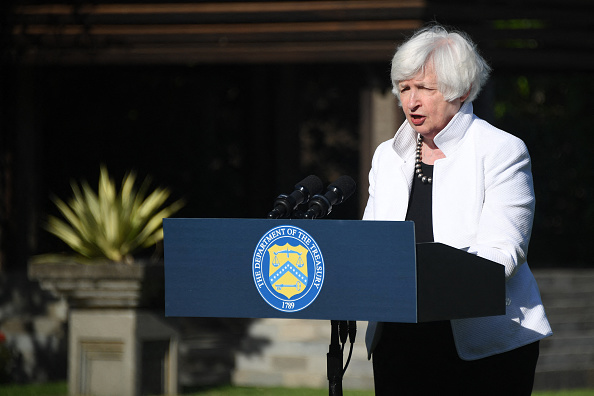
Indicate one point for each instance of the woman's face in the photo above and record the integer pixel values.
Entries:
(424, 106)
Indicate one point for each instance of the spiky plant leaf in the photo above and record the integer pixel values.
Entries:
(111, 224)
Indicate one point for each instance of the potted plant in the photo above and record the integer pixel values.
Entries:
(112, 334)
(104, 229)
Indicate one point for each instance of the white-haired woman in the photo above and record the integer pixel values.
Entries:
(469, 185)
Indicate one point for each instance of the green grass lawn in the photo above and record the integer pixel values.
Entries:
(239, 391)
(61, 389)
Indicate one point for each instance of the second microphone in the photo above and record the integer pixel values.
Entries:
(337, 192)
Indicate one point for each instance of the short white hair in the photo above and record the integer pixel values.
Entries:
(458, 65)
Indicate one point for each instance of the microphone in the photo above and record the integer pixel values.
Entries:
(286, 204)
(337, 192)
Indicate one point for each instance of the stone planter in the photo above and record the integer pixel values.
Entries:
(118, 344)
(104, 285)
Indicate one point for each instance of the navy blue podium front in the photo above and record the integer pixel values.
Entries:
(323, 269)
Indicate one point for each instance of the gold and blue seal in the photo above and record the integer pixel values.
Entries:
(288, 268)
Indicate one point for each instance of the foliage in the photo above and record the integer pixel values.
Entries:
(5, 359)
(550, 112)
(109, 224)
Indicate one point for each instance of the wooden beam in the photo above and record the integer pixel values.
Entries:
(223, 7)
(260, 31)
(226, 53)
(350, 27)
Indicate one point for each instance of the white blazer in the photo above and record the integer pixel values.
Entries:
(483, 203)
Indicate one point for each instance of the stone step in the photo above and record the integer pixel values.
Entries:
(570, 340)
(569, 327)
(564, 379)
(578, 300)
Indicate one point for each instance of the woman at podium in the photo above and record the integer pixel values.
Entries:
(466, 184)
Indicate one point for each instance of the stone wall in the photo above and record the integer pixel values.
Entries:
(292, 353)
(295, 351)
(567, 358)
(35, 326)
(295, 356)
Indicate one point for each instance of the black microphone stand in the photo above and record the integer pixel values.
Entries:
(334, 361)
(338, 336)
(334, 358)
(339, 329)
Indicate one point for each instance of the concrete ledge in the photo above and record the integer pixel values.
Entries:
(103, 285)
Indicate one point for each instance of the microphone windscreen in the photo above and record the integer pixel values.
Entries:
(312, 183)
(346, 185)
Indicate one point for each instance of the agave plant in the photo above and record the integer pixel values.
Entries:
(110, 224)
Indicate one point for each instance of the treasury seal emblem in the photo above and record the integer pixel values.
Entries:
(288, 268)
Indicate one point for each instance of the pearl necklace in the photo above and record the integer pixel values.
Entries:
(418, 171)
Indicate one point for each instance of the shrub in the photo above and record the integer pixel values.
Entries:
(109, 224)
